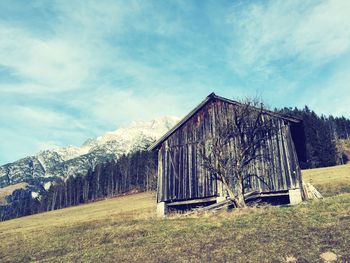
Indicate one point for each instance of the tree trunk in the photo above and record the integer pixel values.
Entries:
(238, 198)
(240, 193)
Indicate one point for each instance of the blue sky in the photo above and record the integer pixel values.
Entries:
(70, 70)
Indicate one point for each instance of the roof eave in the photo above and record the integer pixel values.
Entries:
(181, 122)
(211, 96)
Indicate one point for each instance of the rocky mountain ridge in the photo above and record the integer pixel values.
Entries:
(73, 161)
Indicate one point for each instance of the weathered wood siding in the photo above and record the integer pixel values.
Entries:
(181, 175)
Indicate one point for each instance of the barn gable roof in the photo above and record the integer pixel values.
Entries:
(209, 98)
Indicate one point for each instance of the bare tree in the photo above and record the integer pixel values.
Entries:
(237, 145)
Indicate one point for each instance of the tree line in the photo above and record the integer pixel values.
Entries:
(133, 172)
(322, 135)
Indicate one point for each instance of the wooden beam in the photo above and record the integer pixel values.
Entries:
(265, 194)
(193, 201)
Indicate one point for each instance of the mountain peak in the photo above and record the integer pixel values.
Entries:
(74, 160)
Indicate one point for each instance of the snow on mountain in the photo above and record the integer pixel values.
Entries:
(73, 160)
(71, 151)
(136, 136)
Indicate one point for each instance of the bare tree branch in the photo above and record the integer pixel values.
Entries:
(248, 131)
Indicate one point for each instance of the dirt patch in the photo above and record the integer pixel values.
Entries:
(328, 257)
(291, 259)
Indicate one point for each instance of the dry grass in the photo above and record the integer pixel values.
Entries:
(329, 180)
(133, 234)
(8, 190)
(125, 229)
(131, 206)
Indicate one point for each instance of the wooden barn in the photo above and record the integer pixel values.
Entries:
(183, 182)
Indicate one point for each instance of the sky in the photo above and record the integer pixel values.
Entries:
(71, 70)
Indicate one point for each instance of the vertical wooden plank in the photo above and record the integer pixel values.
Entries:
(189, 161)
(287, 156)
(166, 172)
(181, 177)
(160, 196)
(284, 159)
(194, 161)
(297, 179)
(282, 173)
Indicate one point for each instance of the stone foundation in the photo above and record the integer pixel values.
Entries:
(295, 196)
(162, 209)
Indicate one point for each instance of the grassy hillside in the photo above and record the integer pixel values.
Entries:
(329, 180)
(125, 229)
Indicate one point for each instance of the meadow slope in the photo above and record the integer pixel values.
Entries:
(125, 229)
(329, 181)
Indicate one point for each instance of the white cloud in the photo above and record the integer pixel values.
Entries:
(333, 96)
(311, 32)
(324, 34)
(89, 20)
(22, 89)
(26, 130)
(68, 57)
(36, 118)
(79, 47)
(117, 107)
(53, 63)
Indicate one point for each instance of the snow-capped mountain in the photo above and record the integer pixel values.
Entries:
(72, 160)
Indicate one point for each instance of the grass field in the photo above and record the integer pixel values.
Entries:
(329, 181)
(125, 229)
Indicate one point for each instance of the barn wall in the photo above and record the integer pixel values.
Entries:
(181, 175)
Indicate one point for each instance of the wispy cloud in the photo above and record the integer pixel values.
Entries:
(275, 33)
(53, 64)
(332, 96)
(296, 51)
